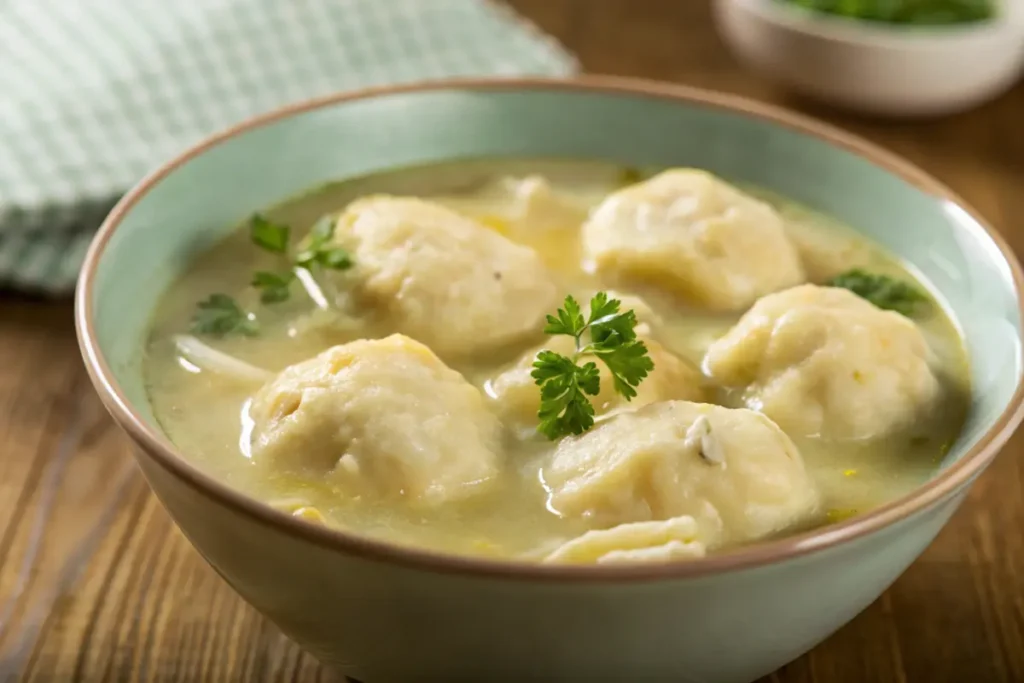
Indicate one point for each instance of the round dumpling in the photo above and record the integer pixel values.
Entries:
(441, 277)
(517, 397)
(822, 361)
(732, 470)
(691, 233)
(538, 207)
(384, 417)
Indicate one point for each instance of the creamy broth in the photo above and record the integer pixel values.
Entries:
(204, 413)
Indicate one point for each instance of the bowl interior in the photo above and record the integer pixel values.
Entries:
(196, 200)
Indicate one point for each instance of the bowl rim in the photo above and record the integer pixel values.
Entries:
(164, 454)
(865, 33)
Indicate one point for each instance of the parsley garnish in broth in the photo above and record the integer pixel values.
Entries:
(881, 290)
(273, 287)
(318, 251)
(268, 235)
(220, 315)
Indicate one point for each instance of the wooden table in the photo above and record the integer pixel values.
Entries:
(97, 585)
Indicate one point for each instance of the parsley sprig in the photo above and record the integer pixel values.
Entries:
(315, 254)
(883, 291)
(268, 235)
(273, 287)
(318, 252)
(220, 314)
(565, 384)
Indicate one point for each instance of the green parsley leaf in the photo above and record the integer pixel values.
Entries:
(614, 329)
(564, 406)
(269, 235)
(549, 365)
(565, 384)
(569, 320)
(629, 364)
(602, 307)
(274, 288)
(881, 290)
(317, 250)
(323, 229)
(335, 259)
(220, 315)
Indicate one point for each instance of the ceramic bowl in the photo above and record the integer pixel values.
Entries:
(379, 612)
(877, 68)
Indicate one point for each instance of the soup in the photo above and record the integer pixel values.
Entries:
(375, 356)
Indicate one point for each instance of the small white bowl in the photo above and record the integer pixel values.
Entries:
(877, 68)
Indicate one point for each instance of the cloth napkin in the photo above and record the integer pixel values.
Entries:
(95, 93)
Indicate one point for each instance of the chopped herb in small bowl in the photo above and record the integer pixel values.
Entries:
(902, 58)
(905, 12)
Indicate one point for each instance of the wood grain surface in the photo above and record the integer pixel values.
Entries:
(97, 585)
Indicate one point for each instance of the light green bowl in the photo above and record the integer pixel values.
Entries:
(383, 613)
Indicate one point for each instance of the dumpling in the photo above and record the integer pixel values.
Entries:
(647, 319)
(517, 397)
(521, 204)
(695, 235)
(383, 417)
(441, 277)
(732, 470)
(537, 206)
(678, 538)
(822, 361)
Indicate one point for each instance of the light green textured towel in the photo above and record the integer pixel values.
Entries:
(95, 93)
